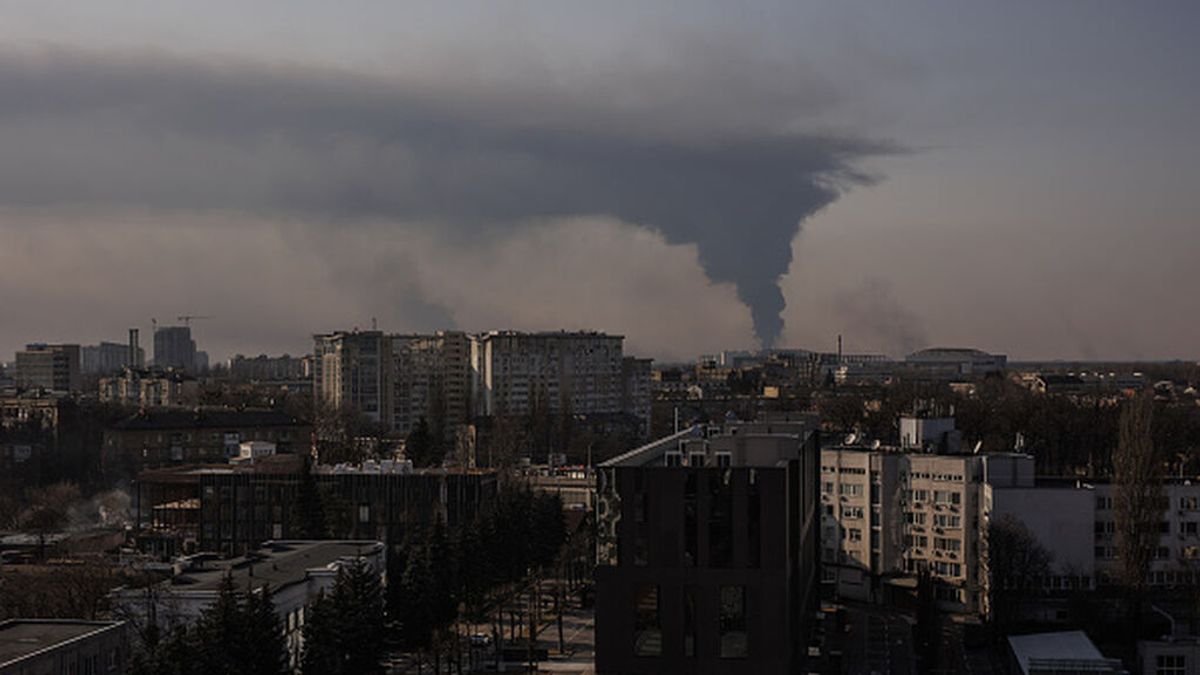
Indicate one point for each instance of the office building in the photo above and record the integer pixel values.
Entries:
(53, 646)
(707, 552)
(295, 572)
(50, 367)
(236, 507)
(175, 348)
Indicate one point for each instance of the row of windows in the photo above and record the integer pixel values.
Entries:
(732, 638)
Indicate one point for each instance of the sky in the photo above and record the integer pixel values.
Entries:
(1014, 176)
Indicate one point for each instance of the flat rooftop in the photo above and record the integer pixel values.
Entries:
(21, 638)
(276, 563)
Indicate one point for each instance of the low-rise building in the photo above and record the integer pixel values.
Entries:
(172, 436)
(53, 646)
(1063, 653)
(295, 572)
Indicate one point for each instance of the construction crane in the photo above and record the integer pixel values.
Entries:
(187, 318)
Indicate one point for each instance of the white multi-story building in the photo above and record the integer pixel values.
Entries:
(518, 373)
(887, 512)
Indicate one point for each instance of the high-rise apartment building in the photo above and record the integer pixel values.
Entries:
(355, 371)
(175, 348)
(707, 552)
(432, 376)
(50, 367)
(574, 372)
(107, 358)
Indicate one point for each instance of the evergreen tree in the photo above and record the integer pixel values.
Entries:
(418, 447)
(344, 633)
(322, 648)
(308, 511)
(219, 628)
(263, 647)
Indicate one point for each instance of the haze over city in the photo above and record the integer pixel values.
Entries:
(695, 176)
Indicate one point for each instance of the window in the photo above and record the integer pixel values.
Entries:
(947, 520)
(853, 534)
(1189, 503)
(827, 488)
(944, 544)
(852, 512)
(1189, 527)
(689, 620)
(915, 518)
(733, 642)
(647, 630)
(851, 490)
(364, 513)
(1103, 503)
(1170, 664)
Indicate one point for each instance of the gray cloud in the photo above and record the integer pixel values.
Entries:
(162, 132)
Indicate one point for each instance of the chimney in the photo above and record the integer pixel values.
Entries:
(133, 349)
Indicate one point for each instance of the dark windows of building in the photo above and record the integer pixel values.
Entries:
(690, 521)
(753, 522)
(641, 552)
(689, 620)
(647, 627)
(720, 520)
(1170, 664)
(732, 640)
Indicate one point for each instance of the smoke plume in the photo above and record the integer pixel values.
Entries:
(162, 132)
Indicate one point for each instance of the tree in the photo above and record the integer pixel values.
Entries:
(49, 511)
(1138, 500)
(240, 634)
(308, 511)
(1016, 565)
(418, 447)
(345, 629)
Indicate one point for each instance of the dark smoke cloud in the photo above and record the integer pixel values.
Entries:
(162, 132)
(872, 315)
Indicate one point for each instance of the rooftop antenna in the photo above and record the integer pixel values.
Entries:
(839, 349)
(374, 324)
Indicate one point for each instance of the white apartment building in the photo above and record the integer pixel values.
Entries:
(517, 373)
(886, 512)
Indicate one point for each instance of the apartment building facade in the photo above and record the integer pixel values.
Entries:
(433, 381)
(887, 512)
(354, 370)
(150, 388)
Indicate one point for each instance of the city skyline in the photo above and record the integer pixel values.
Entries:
(1012, 178)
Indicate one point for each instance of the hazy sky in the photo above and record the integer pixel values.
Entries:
(1017, 176)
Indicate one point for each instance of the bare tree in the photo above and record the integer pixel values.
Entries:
(49, 511)
(1138, 499)
(1016, 565)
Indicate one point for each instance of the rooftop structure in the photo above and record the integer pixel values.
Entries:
(1063, 653)
(59, 645)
